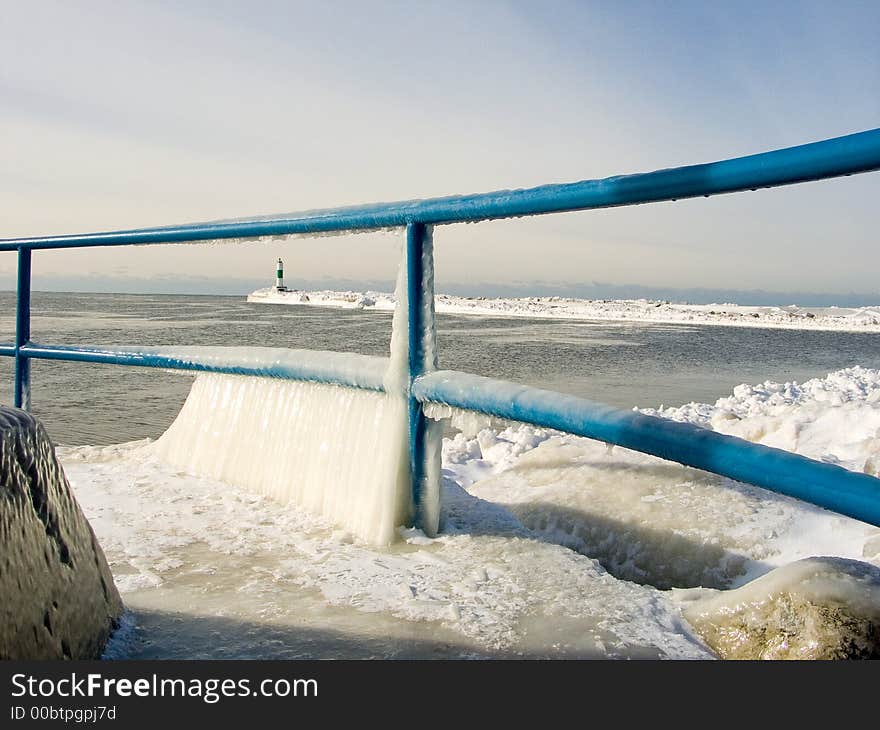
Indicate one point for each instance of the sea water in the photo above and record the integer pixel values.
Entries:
(622, 364)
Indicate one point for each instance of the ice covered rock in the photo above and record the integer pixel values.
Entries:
(816, 608)
(58, 596)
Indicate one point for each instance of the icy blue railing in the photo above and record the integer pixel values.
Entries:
(827, 485)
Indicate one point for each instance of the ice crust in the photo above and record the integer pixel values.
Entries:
(362, 371)
(851, 319)
(331, 450)
(834, 419)
(486, 578)
(551, 545)
(817, 608)
(338, 452)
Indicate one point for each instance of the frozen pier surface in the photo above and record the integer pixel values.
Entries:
(552, 545)
(858, 319)
(58, 596)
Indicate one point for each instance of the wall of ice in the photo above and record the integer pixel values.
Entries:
(339, 452)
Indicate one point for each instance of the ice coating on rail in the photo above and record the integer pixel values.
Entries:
(349, 368)
(339, 452)
(341, 368)
(334, 451)
(429, 329)
(432, 439)
(398, 377)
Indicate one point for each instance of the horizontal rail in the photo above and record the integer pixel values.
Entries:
(827, 485)
(351, 370)
(847, 155)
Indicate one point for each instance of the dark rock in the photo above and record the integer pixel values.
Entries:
(58, 596)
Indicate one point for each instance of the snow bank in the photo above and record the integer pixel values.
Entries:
(859, 319)
(834, 419)
(651, 521)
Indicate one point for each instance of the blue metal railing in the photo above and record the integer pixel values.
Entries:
(829, 486)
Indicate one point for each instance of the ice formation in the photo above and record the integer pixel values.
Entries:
(332, 450)
(834, 419)
(352, 369)
(816, 608)
(847, 319)
(520, 568)
(397, 378)
(339, 452)
(651, 521)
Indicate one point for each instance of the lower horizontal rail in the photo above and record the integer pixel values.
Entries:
(348, 369)
(826, 485)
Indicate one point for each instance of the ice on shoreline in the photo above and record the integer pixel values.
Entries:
(817, 608)
(844, 319)
(834, 419)
(551, 545)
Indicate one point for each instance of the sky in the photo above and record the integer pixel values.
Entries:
(128, 114)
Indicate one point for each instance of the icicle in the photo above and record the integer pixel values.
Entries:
(329, 449)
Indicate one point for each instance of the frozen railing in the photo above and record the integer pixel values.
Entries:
(850, 493)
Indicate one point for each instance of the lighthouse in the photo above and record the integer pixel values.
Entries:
(279, 277)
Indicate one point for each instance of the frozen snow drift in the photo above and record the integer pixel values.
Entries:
(846, 319)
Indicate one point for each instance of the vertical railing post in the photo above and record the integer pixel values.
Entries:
(418, 336)
(22, 398)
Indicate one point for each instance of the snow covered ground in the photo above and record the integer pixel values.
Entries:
(860, 319)
(551, 545)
